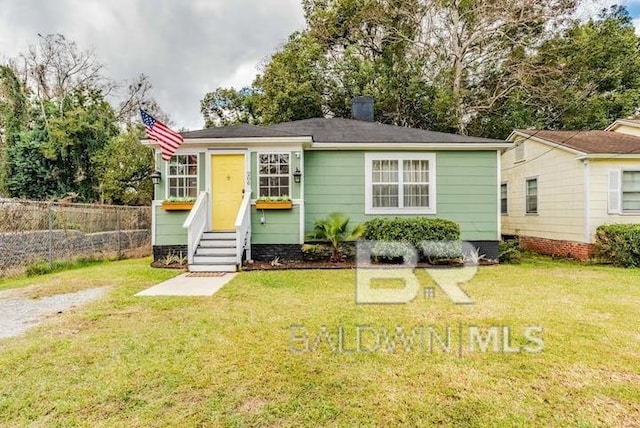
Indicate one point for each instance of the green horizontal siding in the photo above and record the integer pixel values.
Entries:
(466, 192)
(281, 227)
(466, 189)
(169, 230)
(333, 182)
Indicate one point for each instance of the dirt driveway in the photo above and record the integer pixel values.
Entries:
(18, 314)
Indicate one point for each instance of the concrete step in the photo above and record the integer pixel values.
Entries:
(197, 267)
(217, 243)
(216, 251)
(214, 259)
(219, 235)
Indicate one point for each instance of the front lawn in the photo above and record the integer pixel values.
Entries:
(240, 357)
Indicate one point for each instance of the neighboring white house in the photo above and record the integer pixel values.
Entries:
(557, 187)
(625, 126)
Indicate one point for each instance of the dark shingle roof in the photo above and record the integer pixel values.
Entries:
(337, 131)
(590, 142)
(236, 131)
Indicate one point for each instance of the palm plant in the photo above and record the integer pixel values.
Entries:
(335, 229)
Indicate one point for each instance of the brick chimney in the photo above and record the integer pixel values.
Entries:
(362, 109)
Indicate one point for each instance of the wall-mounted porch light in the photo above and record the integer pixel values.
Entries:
(297, 175)
(156, 176)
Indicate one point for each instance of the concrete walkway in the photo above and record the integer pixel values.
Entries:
(189, 284)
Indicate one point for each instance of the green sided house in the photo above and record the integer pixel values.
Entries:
(354, 166)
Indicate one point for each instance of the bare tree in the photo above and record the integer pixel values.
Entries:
(467, 43)
(138, 95)
(56, 66)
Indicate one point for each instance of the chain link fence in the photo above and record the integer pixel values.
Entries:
(33, 231)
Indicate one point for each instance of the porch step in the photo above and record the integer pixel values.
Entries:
(216, 252)
(214, 259)
(219, 235)
(217, 243)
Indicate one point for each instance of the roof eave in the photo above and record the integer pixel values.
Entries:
(621, 122)
(608, 156)
(235, 141)
(410, 146)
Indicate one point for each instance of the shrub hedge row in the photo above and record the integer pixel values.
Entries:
(413, 230)
(619, 244)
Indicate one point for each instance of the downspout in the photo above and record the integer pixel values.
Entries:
(587, 201)
(499, 202)
(301, 195)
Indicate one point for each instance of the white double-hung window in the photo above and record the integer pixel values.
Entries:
(273, 175)
(400, 183)
(182, 176)
(624, 191)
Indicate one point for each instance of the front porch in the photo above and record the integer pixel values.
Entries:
(216, 251)
(217, 231)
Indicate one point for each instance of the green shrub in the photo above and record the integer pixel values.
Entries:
(413, 230)
(394, 252)
(509, 252)
(335, 229)
(619, 244)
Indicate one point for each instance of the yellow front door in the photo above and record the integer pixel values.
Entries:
(227, 190)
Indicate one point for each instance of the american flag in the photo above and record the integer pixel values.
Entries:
(169, 140)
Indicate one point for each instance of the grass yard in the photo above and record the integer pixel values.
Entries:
(228, 360)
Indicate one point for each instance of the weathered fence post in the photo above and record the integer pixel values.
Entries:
(50, 215)
(119, 233)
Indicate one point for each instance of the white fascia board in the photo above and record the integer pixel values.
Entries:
(410, 146)
(512, 135)
(621, 122)
(253, 141)
(609, 156)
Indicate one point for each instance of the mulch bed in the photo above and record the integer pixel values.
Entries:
(300, 264)
(169, 266)
(348, 264)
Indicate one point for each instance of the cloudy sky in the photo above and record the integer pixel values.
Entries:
(187, 48)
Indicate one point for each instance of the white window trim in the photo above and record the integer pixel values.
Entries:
(167, 176)
(504, 183)
(526, 189)
(272, 152)
(618, 208)
(368, 160)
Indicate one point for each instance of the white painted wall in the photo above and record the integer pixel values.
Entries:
(560, 193)
(599, 192)
(626, 129)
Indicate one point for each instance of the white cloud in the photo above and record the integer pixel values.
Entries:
(242, 76)
(186, 48)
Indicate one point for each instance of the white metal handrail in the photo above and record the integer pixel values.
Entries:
(243, 228)
(196, 223)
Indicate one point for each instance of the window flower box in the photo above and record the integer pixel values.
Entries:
(177, 205)
(266, 204)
